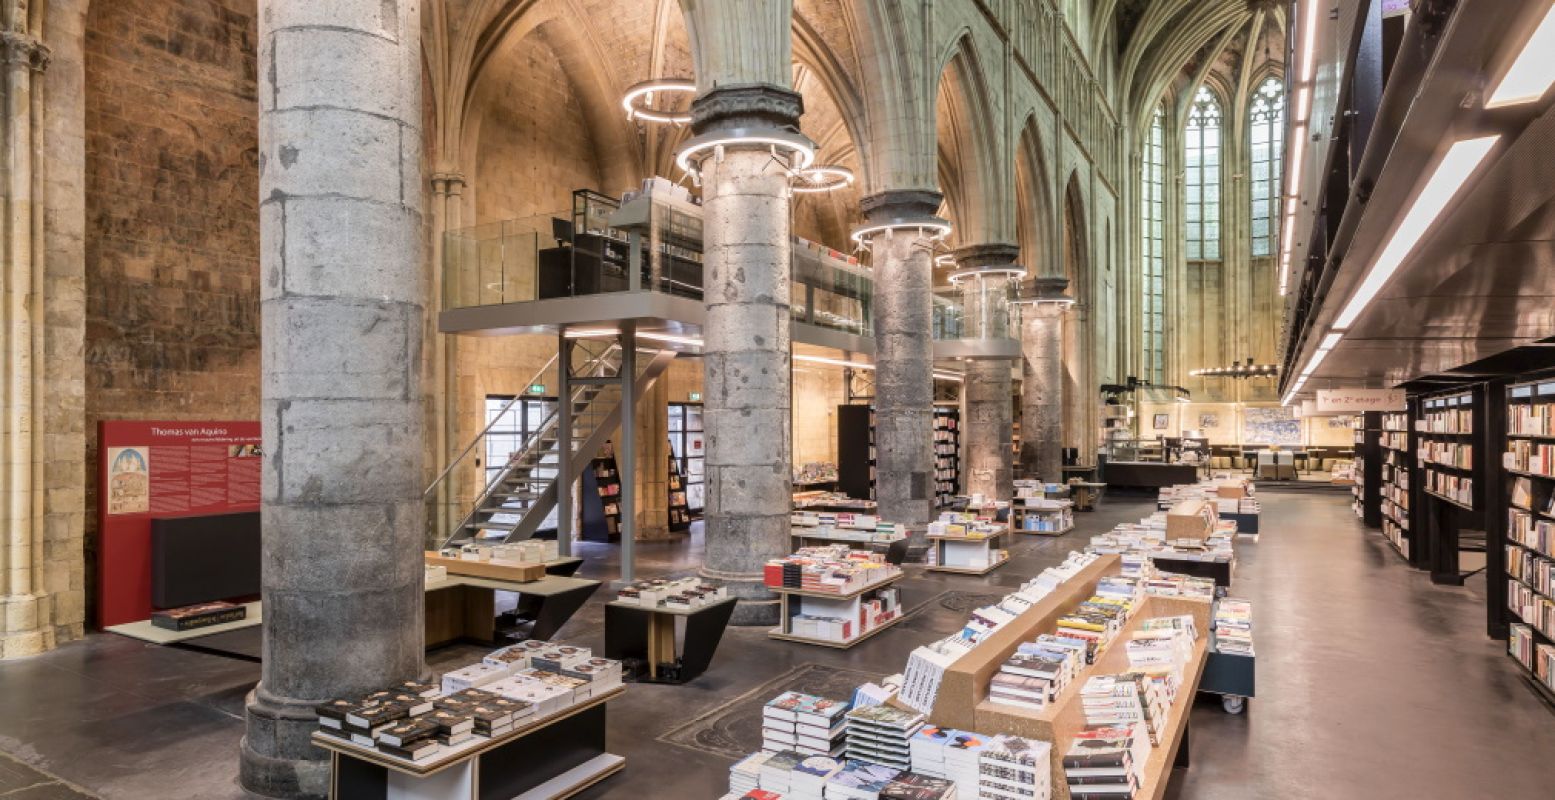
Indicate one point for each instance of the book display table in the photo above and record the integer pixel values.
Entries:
(804, 537)
(793, 602)
(554, 757)
(1048, 518)
(638, 632)
(465, 608)
(968, 555)
(1216, 570)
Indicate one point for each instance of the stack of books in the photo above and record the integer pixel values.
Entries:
(807, 780)
(1234, 627)
(860, 780)
(949, 754)
(1112, 700)
(1106, 762)
(1096, 621)
(1037, 673)
(680, 594)
(804, 723)
(1013, 768)
(830, 570)
(746, 774)
(881, 735)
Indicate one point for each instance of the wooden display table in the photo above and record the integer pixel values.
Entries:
(1019, 512)
(846, 606)
(962, 702)
(554, 757)
(804, 535)
(635, 631)
(987, 546)
(464, 608)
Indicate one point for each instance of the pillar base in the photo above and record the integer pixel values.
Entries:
(277, 757)
(25, 628)
(757, 605)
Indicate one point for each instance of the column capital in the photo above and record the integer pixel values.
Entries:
(899, 205)
(1047, 287)
(21, 48)
(748, 106)
(993, 254)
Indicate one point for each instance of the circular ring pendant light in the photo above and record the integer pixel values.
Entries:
(639, 100)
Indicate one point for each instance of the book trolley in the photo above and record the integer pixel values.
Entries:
(1521, 584)
(962, 700)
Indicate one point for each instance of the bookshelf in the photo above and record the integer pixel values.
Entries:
(947, 455)
(679, 512)
(1366, 494)
(1449, 468)
(601, 496)
(850, 607)
(1395, 496)
(1520, 562)
(686, 446)
(856, 451)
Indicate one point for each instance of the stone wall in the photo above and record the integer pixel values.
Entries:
(172, 220)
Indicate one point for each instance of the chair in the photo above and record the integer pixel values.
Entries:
(1303, 460)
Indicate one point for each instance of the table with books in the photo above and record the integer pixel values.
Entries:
(526, 722)
(833, 596)
(967, 543)
(464, 608)
(641, 623)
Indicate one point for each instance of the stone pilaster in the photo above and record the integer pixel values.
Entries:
(342, 305)
(1042, 380)
(904, 356)
(986, 273)
(742, 53)
(27, 622)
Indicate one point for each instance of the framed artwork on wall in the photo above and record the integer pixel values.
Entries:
(1162, 421)
(1207, 421)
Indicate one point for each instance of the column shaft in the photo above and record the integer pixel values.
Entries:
(988, 427)
(342, 309)
(746, 374)
(1042, 407)
(904, 380)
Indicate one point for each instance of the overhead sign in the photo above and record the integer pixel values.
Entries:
(696, 397)
(1354, 401)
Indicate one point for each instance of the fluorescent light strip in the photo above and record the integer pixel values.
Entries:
(1455, 169)
(1303, 104)
(1533, 70)
(836, 362)
(1330, 340)
(1309, 42)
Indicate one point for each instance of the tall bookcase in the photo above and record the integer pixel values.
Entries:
(679, 512)
(1450, 470)
(856, 451)
(1367, 491)
(601, 498)
(947, 455)
(1520, 558)
(1395, 494)
(687, 450)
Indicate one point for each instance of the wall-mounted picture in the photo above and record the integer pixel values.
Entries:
(1209, 420)
(1270, 426)
(1341, 421)
(1162, 421)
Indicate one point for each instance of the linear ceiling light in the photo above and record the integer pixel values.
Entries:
(1449, 176)
(836, 362)
(1533, 70)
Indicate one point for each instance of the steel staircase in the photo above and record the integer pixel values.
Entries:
(516, 501)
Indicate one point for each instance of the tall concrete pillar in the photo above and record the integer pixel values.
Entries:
(341, 303)
(986, 273)
(905, 224)
(743, 64)
(1042, 380)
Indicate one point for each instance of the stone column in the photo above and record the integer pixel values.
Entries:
(26, 610)
(1042, 380)
(743, 58)
(341, 301)
(985, 274)
(904, 354)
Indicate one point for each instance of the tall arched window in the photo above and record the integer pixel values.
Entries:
(1266, 118)
(1201, 181)
(1152, 213)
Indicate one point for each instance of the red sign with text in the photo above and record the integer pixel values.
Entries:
(162, 469)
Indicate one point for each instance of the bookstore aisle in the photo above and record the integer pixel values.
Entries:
(1372, 683)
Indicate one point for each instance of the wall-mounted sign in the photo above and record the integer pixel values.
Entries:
(537, 388)
(696, 397)
(1354, 401)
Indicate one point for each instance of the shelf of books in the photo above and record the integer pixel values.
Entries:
(686, 447)
(1529, 548)
(833, 596)
(1395, 491)
(856, 451)
(1366, 494)
(1448, 429)
(1444, 449)
(947, 455)
(601, 498)
(679, 512)
(967, 543)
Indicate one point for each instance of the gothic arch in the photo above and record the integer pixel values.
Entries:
(1078, 386)
(968, 145)
(1033, 205)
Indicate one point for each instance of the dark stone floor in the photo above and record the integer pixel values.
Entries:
(1373, 684)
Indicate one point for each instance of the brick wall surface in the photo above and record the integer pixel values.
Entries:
(172, 244)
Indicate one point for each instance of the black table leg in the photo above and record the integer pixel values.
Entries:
(1182, 749)
(556, 609)
(703, 633)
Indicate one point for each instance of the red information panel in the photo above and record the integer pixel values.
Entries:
(162, 469)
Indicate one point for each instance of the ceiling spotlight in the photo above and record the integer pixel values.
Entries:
(822, 178)
(638, 100)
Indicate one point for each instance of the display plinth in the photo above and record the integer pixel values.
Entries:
(555, 757)
(496, 569)
(988, 547)
(845, 606)
(635, 631)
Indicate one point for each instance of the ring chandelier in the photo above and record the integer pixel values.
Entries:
(638, 101)
(822, 178)
(1238, 370)
(1012, 271)
(932, 228)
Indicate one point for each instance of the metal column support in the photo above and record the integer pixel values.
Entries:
(628, 464)
(564, 423)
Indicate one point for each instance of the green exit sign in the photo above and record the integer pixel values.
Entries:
(696, 397)
(537, 388)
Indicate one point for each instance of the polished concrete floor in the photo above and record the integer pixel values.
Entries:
(1372, 682)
